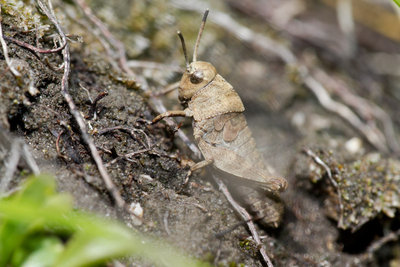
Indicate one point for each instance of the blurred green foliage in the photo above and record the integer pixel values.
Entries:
(39, 227)
(397, 2)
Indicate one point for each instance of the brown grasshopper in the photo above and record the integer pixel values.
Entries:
(220, 129)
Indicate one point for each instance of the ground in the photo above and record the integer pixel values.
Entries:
(336, 212)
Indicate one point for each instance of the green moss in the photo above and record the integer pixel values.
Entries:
(366, 186)
(22, 15)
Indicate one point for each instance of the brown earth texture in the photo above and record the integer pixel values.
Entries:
(320, 84)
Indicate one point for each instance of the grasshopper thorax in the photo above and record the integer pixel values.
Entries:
(197, 76)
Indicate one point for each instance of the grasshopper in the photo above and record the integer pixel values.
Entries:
(220, 131)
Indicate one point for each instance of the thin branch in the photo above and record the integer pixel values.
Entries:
(11, 165)
(17, 150)
(246, 217)
(28, 46)
(154, 65)
(367, 109)
(378, 244)
(392, 236)
(168, 89)
(60, 155)
(320, 162)
(5, 50)
(371, 133)
(128, 156)
(131, 132)
(34, 48)
(344, 14)
(92, 110)
(29, 159)
(165, 221)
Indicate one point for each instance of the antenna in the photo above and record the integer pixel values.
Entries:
(184, 49)
(203, 24)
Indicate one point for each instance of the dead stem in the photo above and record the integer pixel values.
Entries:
(60, 155)
(377, 244)
(128, 156)
(232, 228)
(34, 48)
(367, 109)
(246, 217)
(154, 65)
(371, 133)
(29, 159)
(11, 165)
(5, 50)
(131, 132)
(168, 89)
(93, 106)
(320, 162)
(17, 150)
(28, 46)
(165, 221)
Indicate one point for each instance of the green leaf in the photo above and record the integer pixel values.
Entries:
(11, 237)
(33, 221)
(37, 190)
(44, 252)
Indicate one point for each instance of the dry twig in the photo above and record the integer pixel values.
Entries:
(165, 221)
(154, 65)
(371, 132)
(34, 48)
(60, 155)
(246, 217)
(392, 236)
(131, 132)
(368, 110)
(168, 89)
(11, 165)
(320, 162)
(5, 50)
(17, 150)
(93, 106)
(128, 156)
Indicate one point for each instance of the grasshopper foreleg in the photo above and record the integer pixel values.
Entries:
(173, 113)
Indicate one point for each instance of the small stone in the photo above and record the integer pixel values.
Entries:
(353, 145)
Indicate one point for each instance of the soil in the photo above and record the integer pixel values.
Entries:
(283, 115)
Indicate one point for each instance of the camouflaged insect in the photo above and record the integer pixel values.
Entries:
(223, 137)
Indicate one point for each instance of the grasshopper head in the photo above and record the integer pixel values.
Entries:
(197, 75)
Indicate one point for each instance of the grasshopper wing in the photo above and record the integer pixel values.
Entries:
(232, 148)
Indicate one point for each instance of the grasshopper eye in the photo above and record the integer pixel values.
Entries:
(197, 77)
